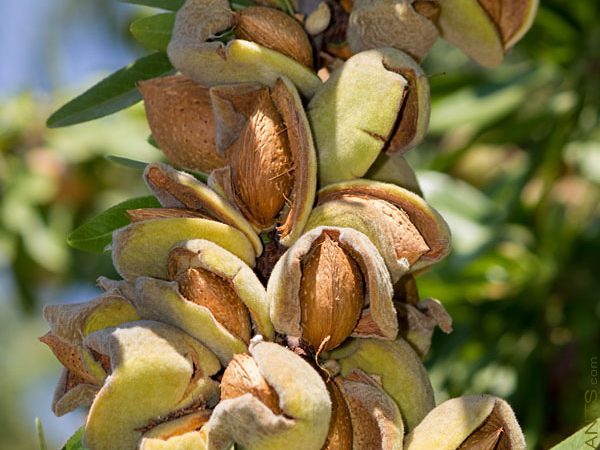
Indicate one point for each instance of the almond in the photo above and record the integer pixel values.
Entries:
(276, 30)
(331, 294)
(180, 116)
(242, 376)
(213, 292)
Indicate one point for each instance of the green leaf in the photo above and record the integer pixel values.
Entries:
(586, 438)
(74, 442)
(467, 210)
(169, 5)
(96, 234)
(199, 175)
(140, 165)
(40, 434)
(154, 32)
(152, 142)
(116, 92)
(286, 6)
(238, 5)
(127, 162)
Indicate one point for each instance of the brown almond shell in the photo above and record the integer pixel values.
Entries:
(283, 289)
(425, 218)
(233, 106)
(179, 114)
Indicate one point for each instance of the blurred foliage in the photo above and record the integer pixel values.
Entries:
(52, 180)
(519, 148)
(512, 161)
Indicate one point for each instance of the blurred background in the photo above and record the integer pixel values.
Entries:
(512, 161)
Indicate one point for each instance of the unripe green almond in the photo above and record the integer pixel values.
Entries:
(390, 23)
(69, 324)
(73, 321)
(378, 100)
(395, 170)
(465, 24)
(161, 300)
(376, 419)
(184, 433)
(176, 189)
(417, 241)
(142, 248)
(465, 422)
(303, 400)
(399, 369)
(157, 370)
(213, 63)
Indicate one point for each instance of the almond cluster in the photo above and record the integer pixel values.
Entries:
(275, 306)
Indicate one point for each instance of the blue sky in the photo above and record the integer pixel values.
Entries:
(49, 44)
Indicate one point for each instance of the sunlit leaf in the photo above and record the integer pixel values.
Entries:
(112, 94)
(140, 165)
(96, 234)
(74, 442)
(482, 104)
(127, 162)
(465, 208)
(40, 434)
(587, 437)
(154, 32)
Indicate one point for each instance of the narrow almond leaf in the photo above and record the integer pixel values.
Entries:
(586, 438)
(238, 5)
(286, 6)
(114, 93)
(154, 32)
(199, 175)
(96, 234)
(127, 162)
(140, 165)
(74, 442)
(40, 434)
(152, 142)
(169, 5)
